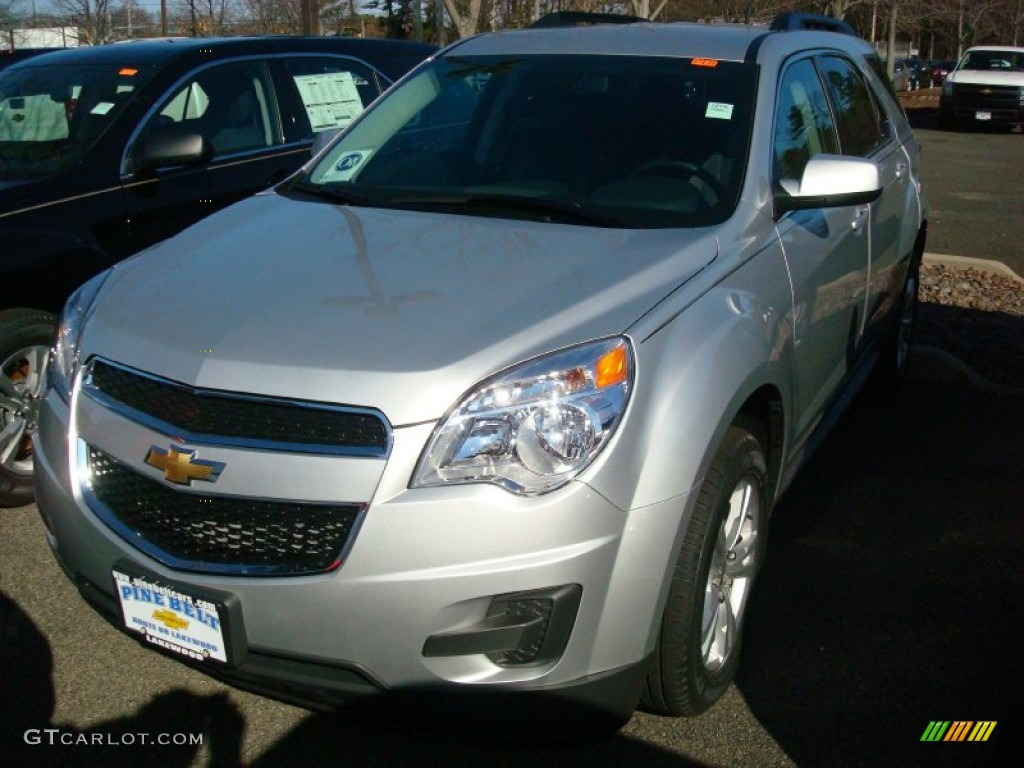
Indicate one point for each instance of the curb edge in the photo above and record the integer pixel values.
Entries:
(986, 265)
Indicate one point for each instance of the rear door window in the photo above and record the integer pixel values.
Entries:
(861, 122)
(326, 93)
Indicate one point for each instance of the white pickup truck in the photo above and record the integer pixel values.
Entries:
(987, 87)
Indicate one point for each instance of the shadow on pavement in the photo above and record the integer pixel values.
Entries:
(29, 737)
(892, 586)
(334, 740)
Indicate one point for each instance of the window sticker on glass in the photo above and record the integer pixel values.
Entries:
(102, 108)
(331, 99)
(718, 111)
(346, 166)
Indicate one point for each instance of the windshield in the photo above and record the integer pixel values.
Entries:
(997, 60)
(51, 116)
(625, 141)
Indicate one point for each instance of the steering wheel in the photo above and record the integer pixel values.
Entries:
(686, 170)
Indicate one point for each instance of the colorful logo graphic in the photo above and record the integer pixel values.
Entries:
(959, 730)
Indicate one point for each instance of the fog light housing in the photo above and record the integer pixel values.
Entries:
(520, 629)
(534, 616)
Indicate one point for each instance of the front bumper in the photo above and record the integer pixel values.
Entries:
(424, 564)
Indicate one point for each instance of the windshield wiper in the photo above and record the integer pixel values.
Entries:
(540, 207)
(331, 193)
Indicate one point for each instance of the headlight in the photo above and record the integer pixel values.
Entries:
(64, 357)
(533, 427)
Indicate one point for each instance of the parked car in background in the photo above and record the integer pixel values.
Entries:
(985, 88)
(106, 150)
(492, 402)
(920, 73)
(939, 71)
(908, 74)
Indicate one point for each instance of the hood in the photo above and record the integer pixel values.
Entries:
(398, 310)
(995, 77)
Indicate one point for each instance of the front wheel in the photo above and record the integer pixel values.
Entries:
(25, 338)
(698, 648)
(894, 363)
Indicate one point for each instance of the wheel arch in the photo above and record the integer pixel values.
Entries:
(765, 407)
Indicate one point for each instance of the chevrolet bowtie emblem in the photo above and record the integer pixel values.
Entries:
(170, 619)
(182, 467)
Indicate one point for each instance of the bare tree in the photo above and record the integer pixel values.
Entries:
(92, 17)
(204, 17)
(963, 22)
(7, 16)
(465, 14)
(273, 17)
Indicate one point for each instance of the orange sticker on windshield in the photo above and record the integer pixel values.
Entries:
(704, 62)
(127, 72)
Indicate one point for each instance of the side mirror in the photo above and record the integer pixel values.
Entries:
(830, 181)
(165, 146)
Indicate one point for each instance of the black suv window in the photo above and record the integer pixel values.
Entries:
(860, 121)
(803, 122)
(50, 117)
(229, 104)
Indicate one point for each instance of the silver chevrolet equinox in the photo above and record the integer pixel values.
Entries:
(491, 402)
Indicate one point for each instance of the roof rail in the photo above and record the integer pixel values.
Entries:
(582, 19)
(793, 20)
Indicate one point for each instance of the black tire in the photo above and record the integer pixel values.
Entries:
(895, 355)
(25, 339)
(693, 664)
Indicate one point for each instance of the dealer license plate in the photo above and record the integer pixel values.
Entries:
(172, 620)
(982, 115)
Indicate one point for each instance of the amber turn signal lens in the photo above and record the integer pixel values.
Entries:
(612, 368)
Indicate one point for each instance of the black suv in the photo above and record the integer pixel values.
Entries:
(107, 150)
(9, 57)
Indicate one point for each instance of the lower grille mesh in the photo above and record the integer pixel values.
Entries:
(219, 534)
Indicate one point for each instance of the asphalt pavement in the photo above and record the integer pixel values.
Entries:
(974, 185)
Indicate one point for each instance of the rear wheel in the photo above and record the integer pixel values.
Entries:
(699, 645)
(25, 338)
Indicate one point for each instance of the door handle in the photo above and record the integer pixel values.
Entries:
(901, 170)
(860, 219)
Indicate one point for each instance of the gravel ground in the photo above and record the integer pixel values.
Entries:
(978, 317)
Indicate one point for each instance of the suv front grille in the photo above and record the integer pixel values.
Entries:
(218, 534)
(213, 416)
